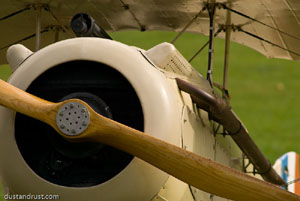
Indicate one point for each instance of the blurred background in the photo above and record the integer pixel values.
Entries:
(264, 92)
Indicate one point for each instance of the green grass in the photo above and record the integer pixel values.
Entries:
(264, 92)
(5, 72)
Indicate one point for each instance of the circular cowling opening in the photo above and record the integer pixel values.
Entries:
(78, 164)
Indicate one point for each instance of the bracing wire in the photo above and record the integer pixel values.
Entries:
(58, 21)
(14, 13)
(253, 19)
(188, 25)
(291, 182)
(264, 40)
(294, 181)
(194, 19)
(200, 50)
(126, 6)
(24, 39)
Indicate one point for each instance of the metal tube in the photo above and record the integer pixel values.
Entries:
(38, 28)
(211, 11)
(221, 112)
(227, 47)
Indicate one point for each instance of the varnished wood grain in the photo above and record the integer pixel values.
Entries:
(193, 169)
(27, 104)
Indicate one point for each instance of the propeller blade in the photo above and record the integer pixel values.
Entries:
(25, 103)
(193, 169)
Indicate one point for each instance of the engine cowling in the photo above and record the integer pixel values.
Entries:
(118, 82)
(129, 85)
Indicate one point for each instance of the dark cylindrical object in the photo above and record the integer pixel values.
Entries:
(84, 25)
(221, 112)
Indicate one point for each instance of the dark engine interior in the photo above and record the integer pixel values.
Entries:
(78, 164)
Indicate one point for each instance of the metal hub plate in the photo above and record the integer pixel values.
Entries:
(73, 118)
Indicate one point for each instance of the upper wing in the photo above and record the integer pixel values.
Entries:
(275, 21)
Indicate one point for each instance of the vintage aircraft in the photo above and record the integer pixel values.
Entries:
(103, 102)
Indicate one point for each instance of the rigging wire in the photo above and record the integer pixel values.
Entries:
(24, 39)
(47, 8)
(253, 19)
(204, 46)
(188, 25)
(238, 28)
(15, 13)
(291, 182)
(126, 6)
(195, 17)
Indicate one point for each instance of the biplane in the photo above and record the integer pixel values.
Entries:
(86, 117)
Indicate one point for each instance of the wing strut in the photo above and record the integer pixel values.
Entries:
(38, 27)
(211, 7)
(227, 48)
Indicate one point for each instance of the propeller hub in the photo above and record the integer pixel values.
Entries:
(73, 118)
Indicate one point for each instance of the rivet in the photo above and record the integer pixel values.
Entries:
(82, 110)
(62, 126)
(61, 114)
(73, 131)
(71, 105)
(84, 123)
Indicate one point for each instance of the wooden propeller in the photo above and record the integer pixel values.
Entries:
(193, 169)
